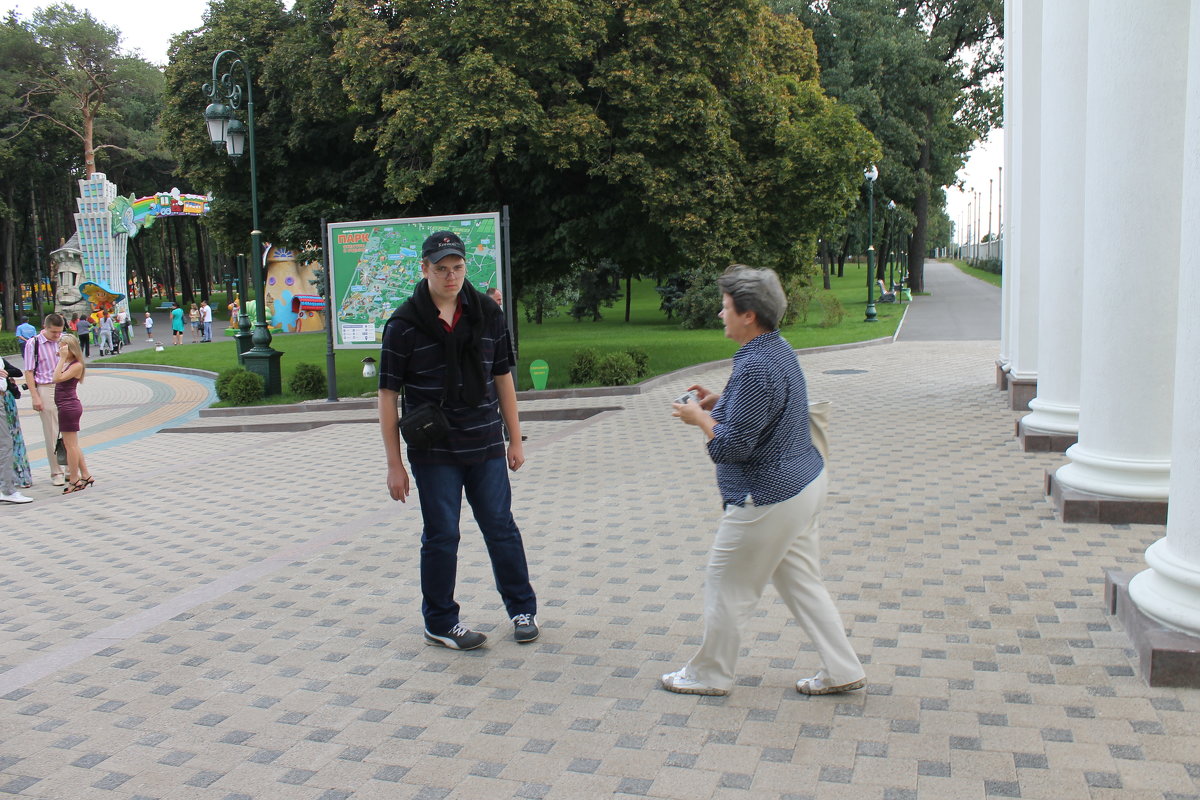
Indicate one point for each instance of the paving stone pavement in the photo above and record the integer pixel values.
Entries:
(237, 615)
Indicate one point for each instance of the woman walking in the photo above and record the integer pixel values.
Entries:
(83, 330)
(194, 322)
(106, 333)
(772, 481)
(67, 377)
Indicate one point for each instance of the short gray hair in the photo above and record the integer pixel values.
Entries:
(757, 290)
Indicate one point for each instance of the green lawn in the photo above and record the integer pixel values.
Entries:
(983, 275)
(556, 340)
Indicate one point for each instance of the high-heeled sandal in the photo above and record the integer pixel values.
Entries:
(80, 485)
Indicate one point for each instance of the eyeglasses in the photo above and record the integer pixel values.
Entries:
(442, 270)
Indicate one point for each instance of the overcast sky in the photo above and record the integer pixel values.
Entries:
(145, 27)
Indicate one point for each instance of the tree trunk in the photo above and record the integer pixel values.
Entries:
(916, 253)
(139, 269)
(202, 261)
(10, 297)
(825, 262)
(185, 272)
(628, 294)
(842, 255)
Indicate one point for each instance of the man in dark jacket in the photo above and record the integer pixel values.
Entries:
(448, 346)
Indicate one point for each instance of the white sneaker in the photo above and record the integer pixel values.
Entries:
(681, 682)
(59, 479)
(15, 497)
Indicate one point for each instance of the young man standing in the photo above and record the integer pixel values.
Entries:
(448, 345)
(41, 357)
(205, 321)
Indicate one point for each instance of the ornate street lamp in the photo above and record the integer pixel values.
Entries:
(871, 174)
(225, 130)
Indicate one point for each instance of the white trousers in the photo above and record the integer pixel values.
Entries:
(49, 415)
(779, 543)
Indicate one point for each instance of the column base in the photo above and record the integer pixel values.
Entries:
(265, 363)
(1020, 392)
(1166, 657)
(1002, 375)
(1034, 440)
(1074, 505)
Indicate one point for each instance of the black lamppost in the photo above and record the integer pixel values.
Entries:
(228, 132)
(892, 247)
(871, 174)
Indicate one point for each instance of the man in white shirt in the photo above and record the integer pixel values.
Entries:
(206, 320)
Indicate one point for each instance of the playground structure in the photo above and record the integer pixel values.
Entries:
(91, 265)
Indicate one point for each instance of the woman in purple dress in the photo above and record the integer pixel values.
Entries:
(67, 376)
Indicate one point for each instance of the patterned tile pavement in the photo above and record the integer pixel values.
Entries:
(237, 615)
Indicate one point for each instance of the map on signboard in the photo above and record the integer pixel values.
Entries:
(376, 266)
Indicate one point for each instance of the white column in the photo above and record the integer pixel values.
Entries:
(1063, 134)
(1170, 590)
(1012, 46)
(1137, 68)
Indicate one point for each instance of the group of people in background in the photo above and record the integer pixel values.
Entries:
(199, 319)
(110, 331)
(54, 366)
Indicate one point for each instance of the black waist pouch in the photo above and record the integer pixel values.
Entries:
(424, 426)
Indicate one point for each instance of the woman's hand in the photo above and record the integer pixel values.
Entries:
(705, 397)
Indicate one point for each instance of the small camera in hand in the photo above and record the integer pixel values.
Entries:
(690, 396)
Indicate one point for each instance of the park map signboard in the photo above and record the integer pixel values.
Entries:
(376, 265)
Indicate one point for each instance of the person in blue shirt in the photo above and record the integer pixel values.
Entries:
(772, 481)
(25, 332)
(176, 324)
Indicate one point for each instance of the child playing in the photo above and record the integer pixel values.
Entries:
(149, 323)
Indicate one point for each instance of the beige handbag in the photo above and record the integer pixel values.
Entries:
(818, 426)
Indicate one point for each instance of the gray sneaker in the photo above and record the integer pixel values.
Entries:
(460, 637)
(525, 628)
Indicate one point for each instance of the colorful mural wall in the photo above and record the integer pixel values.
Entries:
(293, 304)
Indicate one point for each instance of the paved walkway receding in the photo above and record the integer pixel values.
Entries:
(959, 308)
(237, 615)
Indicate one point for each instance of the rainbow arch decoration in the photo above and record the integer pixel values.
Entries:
(131, 214)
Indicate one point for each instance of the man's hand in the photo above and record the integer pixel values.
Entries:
(397, 482)
(516, 454)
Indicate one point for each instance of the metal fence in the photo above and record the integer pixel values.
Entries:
(976, 252)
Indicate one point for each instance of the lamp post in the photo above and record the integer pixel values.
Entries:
(228, 132)
(871, 174)
(892, 247)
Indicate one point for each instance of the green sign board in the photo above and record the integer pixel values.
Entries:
(539, 373)
(374, 267)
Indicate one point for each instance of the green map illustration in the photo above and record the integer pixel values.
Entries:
(376, 266)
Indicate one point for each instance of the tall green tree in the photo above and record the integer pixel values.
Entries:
(653, 134)
(922, 75)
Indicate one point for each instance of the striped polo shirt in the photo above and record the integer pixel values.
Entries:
(412, 361)
(45, 359)
(761, 443)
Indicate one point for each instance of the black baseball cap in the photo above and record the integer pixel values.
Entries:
(441, 244)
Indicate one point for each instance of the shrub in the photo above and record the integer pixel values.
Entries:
(701, 301)
(243, 388)
(307, 381)
(583, 365)
(834, 313)
(641, 361)
(616, 369)
(223, 382)
(9, 344)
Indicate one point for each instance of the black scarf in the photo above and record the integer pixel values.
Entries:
(464, 383)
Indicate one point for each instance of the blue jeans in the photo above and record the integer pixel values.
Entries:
(207, 336)
(441, 488)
